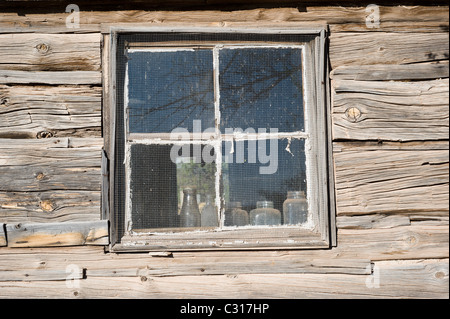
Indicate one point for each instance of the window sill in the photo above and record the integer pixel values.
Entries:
(226, 239)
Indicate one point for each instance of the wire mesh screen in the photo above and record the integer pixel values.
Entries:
(199, 82)
(261, 88)
(169, 89)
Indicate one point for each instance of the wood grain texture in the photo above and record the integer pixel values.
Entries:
(340, 18)
(57, 234)
(388, 72)
(28, 110)
(44, 52)
(396, 111)
(49, 206)
(411, 279)
(387, 181)
(351, 48)
(50, 77)
(27, 167)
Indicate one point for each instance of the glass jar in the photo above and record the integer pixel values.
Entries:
(235, 215)
(209, 213)
(295, 208)
(190, 214)
(265, 214)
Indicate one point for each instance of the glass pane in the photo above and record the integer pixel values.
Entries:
(262, 171)
(261, 88)
(162, 176)
(169, 89)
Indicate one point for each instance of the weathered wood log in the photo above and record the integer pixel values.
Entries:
(387, 72)
(50, 77)
(351, 48)
(393, 18)
(406, 279)
(388, 181)
(57, 234)
(25, 168)
(396, 111)
(44, 52)
(32, 110)
(70, 273)
(2, 235)
(372, 221)
(49, 206)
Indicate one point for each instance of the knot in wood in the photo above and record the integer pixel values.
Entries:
(4, 101)
(44, 134)
(46, 205)
(42, 48)
(353, 114)
(40, 176)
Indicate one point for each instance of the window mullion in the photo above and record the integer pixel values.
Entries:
(218, 145)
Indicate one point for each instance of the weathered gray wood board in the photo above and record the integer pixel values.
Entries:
(70, 273)
(388, 72)
(50, 77)
(372, 221)
(410, 279)
(395, 18)
(49, 169)
(57, 234)
(49, 206)
(28, 110)
(398, 111)
(351, 48)
(389, 181)
(55, 52)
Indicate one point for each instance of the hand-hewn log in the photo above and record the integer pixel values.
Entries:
(352, 18)
(396, 111)
(49, 206)
(57, 234)
(390, 181)
(389, 72)
(25, 167)
(44, 52)
(387, 48)
(372, 221)
(50, 77)
(31, 110)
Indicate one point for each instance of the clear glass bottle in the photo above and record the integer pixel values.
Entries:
(295, 208)
(209, 213)
(190, 214)
(235, 215)
(265, 214)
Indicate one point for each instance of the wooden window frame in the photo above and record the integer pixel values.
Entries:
(320, 184)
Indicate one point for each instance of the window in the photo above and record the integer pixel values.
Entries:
(219, 139)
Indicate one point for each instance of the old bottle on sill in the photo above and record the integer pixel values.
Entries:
(190, 214)
(209, 213)
(295, 208)
(265, 214)
(235, 215)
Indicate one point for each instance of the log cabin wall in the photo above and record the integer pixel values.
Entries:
(390, 128)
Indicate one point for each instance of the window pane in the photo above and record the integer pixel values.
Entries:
(160, 174)
(169, 89)
(264, 170)
(261, 88)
